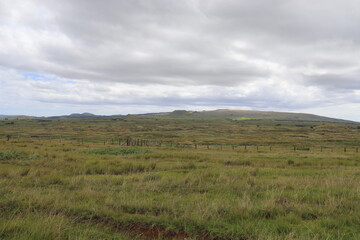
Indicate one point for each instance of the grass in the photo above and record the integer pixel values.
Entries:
(11, 155)
(117, 151)
(59, 187)
(16, 155)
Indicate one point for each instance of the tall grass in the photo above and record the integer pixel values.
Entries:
(87, 190)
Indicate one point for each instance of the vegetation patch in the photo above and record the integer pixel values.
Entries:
(303, 148)
(127, 168)
(238, 163)
(16, 155)
(118, 151)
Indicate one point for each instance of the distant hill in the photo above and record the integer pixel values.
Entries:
(251, 115)
(76, 115)
(15, 117)
(83, 115)
(237, 115)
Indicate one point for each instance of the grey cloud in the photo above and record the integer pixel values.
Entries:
(292, 20)
(229, 43)
(336, 82)
(183, 41)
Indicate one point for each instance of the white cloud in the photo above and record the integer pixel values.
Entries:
(167, 54)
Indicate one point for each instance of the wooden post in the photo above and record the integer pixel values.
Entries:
(245, 146)
(233, 147)
(270, 148)
(294, 148)
(357, 149)
(257, 148)
(344, 149)
(195, 146)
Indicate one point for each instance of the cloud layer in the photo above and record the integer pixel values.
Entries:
(168, 54)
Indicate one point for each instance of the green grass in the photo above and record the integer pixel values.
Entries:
(60, 187)
(118, 151)
(11, 155)
(16, 155)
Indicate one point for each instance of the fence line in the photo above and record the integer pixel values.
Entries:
(139, 142)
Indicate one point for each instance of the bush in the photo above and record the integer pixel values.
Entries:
(238, 163)
(303, 149)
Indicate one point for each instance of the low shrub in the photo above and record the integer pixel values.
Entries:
(290, 162)
(237, 163)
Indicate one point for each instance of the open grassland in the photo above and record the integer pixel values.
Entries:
(186, 179)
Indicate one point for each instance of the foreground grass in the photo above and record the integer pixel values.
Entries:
(61, 190)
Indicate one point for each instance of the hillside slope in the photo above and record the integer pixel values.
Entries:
(251, 115)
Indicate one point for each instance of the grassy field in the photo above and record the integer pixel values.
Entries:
(179, 178)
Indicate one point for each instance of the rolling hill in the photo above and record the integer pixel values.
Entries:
(236, 115)
(251, 115)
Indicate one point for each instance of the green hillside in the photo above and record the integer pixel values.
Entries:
(250, 115)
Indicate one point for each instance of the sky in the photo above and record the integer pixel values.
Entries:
(139, 56)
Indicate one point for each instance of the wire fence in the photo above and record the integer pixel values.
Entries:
(159, 143)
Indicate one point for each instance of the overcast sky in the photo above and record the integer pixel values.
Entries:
(136, 56)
